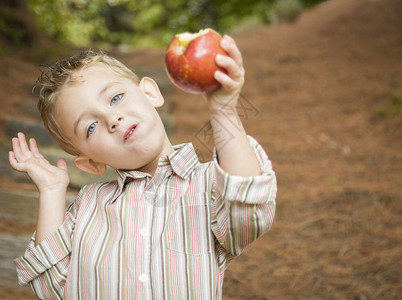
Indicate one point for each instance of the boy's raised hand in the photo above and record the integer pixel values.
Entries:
(227, 95)
(28, 159)
(235, 154)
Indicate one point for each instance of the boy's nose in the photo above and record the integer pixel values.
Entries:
(114, 122)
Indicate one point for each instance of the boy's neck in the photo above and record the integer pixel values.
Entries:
(151, 167)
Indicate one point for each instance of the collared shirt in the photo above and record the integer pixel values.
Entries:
(166, 236)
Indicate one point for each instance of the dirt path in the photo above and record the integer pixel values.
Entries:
(323, 95)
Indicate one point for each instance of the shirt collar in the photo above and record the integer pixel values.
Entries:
(182, 161)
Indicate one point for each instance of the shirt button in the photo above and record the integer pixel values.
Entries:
(144, 232)
(143, 278)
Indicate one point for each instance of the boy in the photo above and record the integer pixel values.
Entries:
(170, 225)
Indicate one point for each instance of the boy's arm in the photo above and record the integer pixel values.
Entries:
(51, 181)
(235, 154)
(243, 205)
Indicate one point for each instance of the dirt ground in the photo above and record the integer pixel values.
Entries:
(323, 95)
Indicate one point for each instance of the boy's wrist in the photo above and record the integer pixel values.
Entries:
(225, 114)
(222, 102)
(222, 109)
(52, 193)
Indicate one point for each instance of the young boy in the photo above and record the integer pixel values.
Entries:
(168, 227)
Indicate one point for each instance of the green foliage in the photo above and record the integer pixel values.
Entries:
(310, 3)
(84, 22)
(7, 28)
(14, 28)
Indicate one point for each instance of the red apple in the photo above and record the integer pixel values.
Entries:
(190, 60)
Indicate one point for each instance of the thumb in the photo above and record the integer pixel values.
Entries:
(62, 164)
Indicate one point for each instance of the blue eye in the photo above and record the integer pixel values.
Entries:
(91, 129)
(116, 99)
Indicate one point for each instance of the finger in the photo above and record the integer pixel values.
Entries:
(34, 147)
(225, 80)
(229, 45)
(62, 164)
(13, 162)
(23, 143)
(12, 159)
(235, 71)
(16, 148)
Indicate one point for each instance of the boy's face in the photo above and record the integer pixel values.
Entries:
(112, 121)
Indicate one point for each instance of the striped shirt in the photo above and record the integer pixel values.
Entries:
(166, 236)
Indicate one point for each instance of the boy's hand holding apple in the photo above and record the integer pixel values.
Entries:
(206, 63)
(232, 80)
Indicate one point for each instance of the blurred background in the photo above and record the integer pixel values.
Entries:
(134, 23)
(323, 95)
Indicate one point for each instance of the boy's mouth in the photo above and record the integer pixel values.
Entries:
(129, 132)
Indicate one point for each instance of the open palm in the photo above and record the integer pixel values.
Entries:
(27, 158)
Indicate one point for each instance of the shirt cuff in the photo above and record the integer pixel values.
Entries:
(252, 189)
(48, 253)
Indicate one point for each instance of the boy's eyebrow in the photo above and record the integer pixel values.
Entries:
(106, 87)
(101, 92)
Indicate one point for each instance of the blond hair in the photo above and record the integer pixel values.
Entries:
(56, 76)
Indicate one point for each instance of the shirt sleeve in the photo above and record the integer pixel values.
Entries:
(45, 266)
(243, 208)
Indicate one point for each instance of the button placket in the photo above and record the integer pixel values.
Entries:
(145, 234)
(150, 197)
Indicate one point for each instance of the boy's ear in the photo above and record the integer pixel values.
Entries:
(90, 166)
(151, 90)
